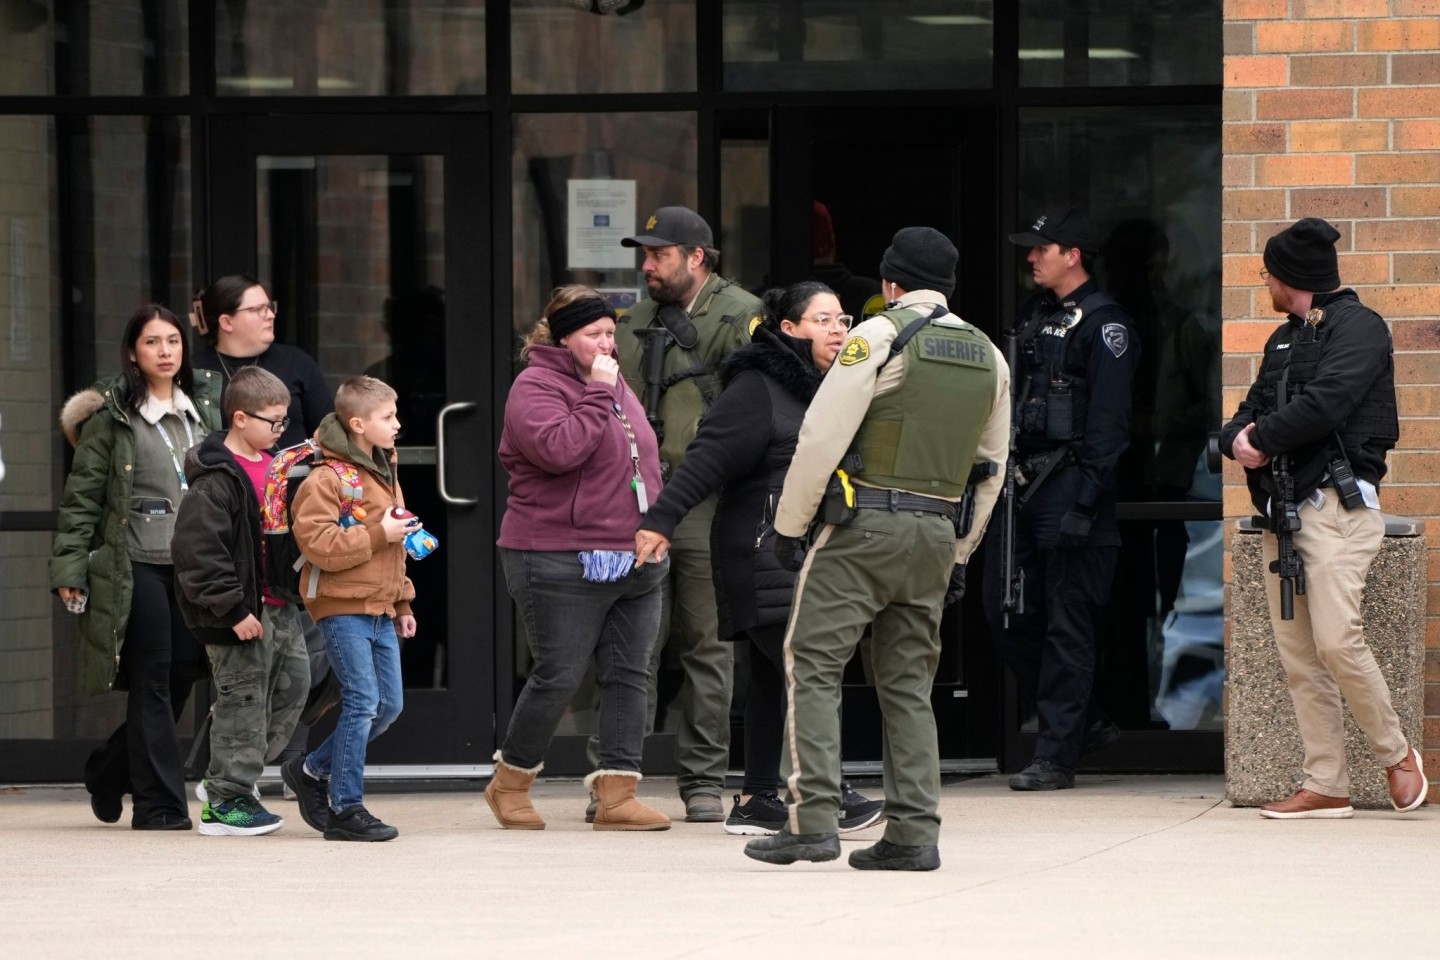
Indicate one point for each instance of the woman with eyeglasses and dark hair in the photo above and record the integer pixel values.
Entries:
(236, 317)
(742, 449)
(112, 563)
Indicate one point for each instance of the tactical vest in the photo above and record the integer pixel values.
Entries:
(1375, 419)
(1049, 368)
(922, 437)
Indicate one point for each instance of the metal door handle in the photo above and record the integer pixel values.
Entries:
(440, 454)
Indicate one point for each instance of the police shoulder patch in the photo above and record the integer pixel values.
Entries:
(1116, 338)
(855, 351)
(754, 323)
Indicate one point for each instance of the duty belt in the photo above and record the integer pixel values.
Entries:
(896, 501)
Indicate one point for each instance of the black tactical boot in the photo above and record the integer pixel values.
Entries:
(1043, 775)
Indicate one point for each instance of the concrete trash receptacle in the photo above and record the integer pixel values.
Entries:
(1263, 753)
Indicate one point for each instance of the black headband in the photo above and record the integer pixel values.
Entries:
(580, 313)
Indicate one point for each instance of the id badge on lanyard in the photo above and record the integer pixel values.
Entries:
(637, 482)
(170, 445)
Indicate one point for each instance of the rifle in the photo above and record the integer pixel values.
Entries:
(1014, 598)
(1285, 520)
(655, 342)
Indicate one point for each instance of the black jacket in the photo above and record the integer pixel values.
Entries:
(743, 448)
(311, 398)
(1341, 382)
(216, 547)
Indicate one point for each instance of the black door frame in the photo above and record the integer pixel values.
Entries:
(455, 725)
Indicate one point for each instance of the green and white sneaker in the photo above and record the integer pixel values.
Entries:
(241, 817)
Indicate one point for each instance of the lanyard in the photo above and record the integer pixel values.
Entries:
(170, 445)
(637, 483)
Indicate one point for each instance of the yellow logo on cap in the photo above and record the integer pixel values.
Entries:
(754, 322)
(855, 351)
(650, 224)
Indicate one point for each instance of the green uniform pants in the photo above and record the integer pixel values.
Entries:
(688, 627)
(890, 570)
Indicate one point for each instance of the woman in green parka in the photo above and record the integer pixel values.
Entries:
(112, 560)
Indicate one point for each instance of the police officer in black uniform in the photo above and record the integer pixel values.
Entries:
(1076, 357)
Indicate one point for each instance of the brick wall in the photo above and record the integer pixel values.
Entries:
(1332, 109)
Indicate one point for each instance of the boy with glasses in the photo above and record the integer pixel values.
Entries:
(255, 641)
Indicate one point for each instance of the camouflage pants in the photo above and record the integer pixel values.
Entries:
(260, 688)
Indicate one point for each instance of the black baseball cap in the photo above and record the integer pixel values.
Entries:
(672, 226)
(1063, 225)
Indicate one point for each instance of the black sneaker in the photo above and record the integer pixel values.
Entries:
(856, 812)
(762, 816)
(786, 847)
(312, 794)
(358, 824)
(893, 856)
(1043, 775)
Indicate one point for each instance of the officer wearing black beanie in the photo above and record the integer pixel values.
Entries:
(1325, 435)
(1303, 256)
(1048, 571)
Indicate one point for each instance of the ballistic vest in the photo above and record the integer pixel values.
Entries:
(922, 437)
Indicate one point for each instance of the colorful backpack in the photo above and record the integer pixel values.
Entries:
(283, 558)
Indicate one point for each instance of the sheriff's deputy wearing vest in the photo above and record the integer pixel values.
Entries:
(1077, 356)
(917, 397)
(670, 351)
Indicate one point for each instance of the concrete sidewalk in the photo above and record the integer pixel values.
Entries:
(1120, 867)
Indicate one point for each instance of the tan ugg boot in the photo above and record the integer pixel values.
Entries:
(618, 809)
(509, 796)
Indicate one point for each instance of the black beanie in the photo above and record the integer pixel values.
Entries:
(921, 258)
(1303, 256)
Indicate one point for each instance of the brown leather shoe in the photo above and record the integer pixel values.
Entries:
(1407, 782)
(1309, 805)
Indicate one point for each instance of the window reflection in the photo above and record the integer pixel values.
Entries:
(1150, 180)
(94, 48)
(857, 44)
(116, 191)
(1118, 43)
(654, 151)
(349, 48)
(557, 48)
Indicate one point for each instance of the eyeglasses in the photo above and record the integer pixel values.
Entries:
(276, 426)
(1264, 274)
(827, 322)
(273, 306)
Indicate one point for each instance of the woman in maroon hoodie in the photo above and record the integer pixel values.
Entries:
(583, 466)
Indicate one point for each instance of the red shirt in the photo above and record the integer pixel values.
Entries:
(255, 470)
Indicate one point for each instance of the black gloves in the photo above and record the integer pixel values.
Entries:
(1075, 529)
(957, 585)
(790, 551)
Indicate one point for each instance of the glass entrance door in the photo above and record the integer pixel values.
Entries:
(836, 200)
(372, 235)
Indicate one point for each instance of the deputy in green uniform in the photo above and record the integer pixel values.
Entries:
(918, 418)
(693, 319)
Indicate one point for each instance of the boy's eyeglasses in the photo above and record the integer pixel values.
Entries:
(276, 426)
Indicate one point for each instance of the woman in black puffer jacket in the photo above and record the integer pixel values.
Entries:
(742, 449)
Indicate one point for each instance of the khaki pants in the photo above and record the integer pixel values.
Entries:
(1323, 648)
(892, 570)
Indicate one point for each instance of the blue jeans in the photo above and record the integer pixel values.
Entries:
(570, 620)
(365, 655)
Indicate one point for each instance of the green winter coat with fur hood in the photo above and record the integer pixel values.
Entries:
(90, 543)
